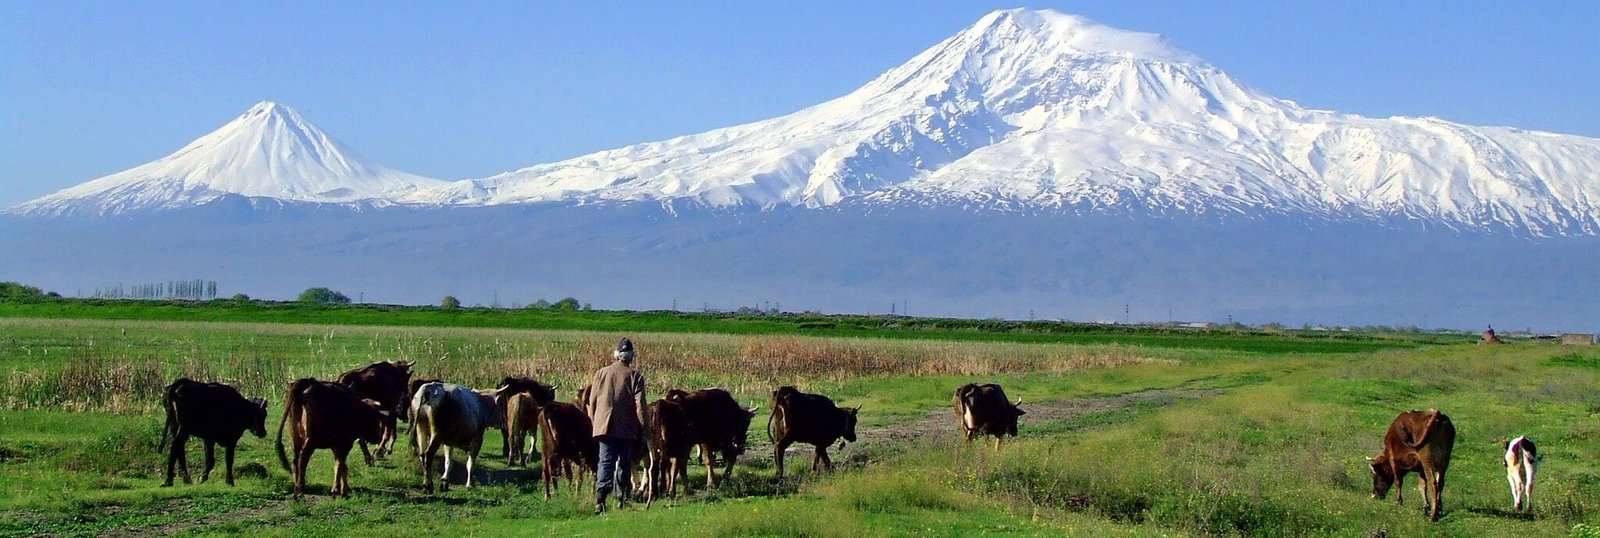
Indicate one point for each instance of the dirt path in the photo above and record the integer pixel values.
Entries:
(942, 423)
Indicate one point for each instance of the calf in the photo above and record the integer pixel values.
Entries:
(1420, 442)
(669, 435)
(386, 383)
(450, 416)
(327, 415)
(215, 413)
(521, 399)
(984, 410)
(1521, 460)
(808, 418)
(568, 437)
(720, 426)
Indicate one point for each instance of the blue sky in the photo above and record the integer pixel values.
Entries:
(90, 88)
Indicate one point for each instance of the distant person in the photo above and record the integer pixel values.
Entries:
(616, 405)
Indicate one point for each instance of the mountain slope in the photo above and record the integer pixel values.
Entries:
(1039, 110)
(268, 152)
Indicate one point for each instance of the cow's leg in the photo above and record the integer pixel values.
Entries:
(174, 453)
(1437, 485)
(711, 466)
(211, 460)
(546, 470)
(227, 459)
(444, 477)
(728, 458)
(179, 445)
(302, 460)
(341, 471)
(1527, 486)
(1513, 476)
(472, 456)
(1399, 485)
(777, 454)
(428, 454)
(827, 463)
(816, 459)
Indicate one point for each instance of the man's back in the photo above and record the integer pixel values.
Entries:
(616, 401)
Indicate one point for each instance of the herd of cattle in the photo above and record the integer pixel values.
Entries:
(363, 408)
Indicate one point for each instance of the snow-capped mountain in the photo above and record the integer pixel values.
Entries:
(1029, 111)
(268, 152)
(1042, 110)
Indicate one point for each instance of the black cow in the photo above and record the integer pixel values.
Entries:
(984, 410)
(215, 413)
(385, 383)
(720, 426)
(813, 419)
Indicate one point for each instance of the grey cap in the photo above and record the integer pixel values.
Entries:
(624, 351)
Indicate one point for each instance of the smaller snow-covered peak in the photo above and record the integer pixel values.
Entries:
(270, 151)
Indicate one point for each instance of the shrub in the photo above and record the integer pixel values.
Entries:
(450, 303)
(322, 296)
(15, 291)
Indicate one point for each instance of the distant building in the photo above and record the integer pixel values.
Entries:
(1577, 339)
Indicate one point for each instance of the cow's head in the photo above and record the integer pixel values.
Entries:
(405, 367)
(850, 423)
(741, 433)
(1016, 412)
(1382, 476)
(258, 417)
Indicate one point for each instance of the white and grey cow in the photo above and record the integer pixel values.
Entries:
(450, 416)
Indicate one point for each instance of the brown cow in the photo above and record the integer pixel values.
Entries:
(521, 399)
(327, 415)
(669, 436)
(215, 413)
(386, 383)
(808, 418)
(1420, 442)
(720, 426)
(984, 410)
(568, 438)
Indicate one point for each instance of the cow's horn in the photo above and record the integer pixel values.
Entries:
(1019, 402)
(1370, 458)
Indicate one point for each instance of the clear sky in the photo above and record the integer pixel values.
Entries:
(470, 90)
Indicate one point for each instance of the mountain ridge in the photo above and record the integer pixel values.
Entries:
(1043, 111)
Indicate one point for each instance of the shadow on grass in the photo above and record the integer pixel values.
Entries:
(1501, 513)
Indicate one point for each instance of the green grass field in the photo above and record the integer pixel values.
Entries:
(1129, 433)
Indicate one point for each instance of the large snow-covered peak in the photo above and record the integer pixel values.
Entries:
(270, 151)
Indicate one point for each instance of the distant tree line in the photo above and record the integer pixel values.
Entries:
(197, 289)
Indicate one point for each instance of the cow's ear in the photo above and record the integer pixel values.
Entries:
(1505, 445)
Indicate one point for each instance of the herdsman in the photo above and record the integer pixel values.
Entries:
(616, 405)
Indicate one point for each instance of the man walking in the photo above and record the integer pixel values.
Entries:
(616, 405)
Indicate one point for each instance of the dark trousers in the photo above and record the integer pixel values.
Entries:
(614, 469)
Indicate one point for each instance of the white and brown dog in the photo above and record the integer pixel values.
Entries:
(1521, 459)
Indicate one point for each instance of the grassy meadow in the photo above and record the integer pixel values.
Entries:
(1128, 434)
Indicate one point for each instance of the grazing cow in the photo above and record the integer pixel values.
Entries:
(1417, 441)
(813, 419)
(386, 383)
(450, 416)
(568, 438)
(521, 399)
(215, 413)
(322, 414)
(984, 410)
(1521, 460)
(669, 436)
(720, 426)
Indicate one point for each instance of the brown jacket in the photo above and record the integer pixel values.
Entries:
(616, 402)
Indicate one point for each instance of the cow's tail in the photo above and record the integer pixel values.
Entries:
(171, 428)
(291, 408)
(1422, 437)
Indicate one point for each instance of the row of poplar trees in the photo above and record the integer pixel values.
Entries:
(177, 289)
